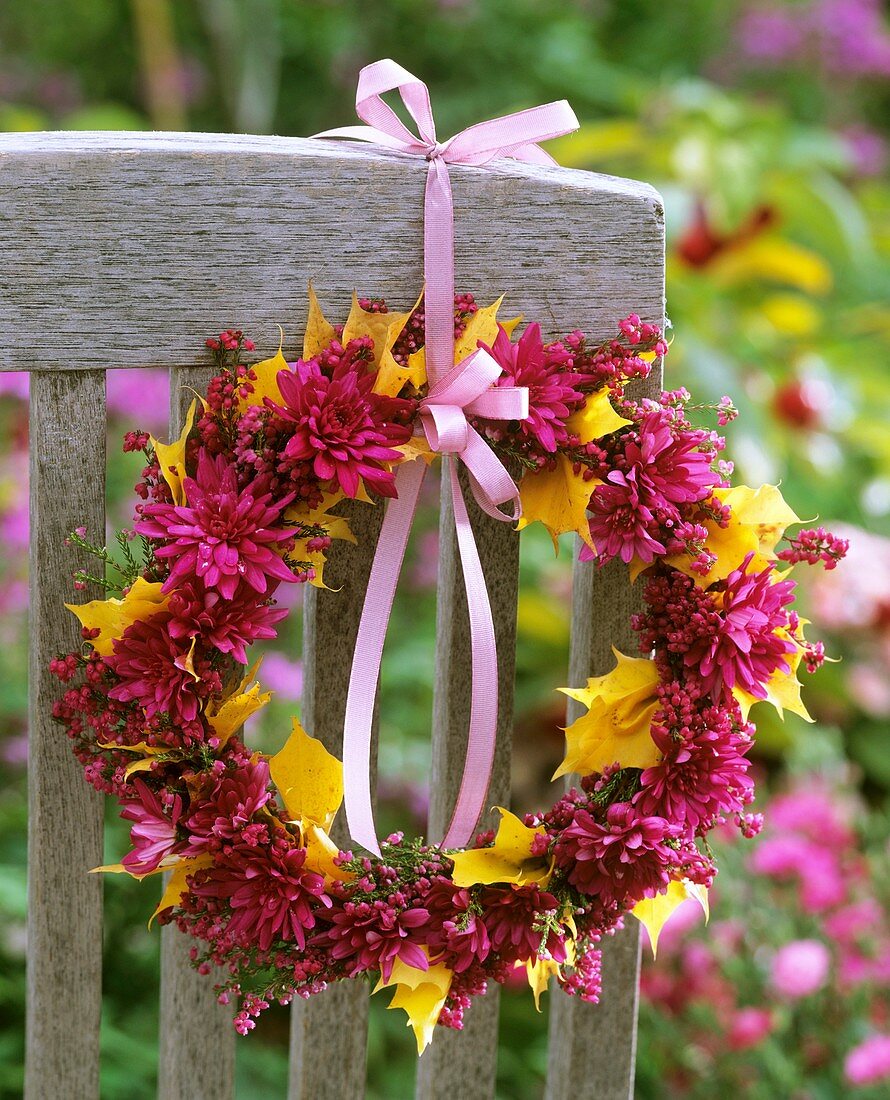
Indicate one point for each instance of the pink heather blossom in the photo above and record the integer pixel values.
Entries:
(745, 649)
(272, 896)
(153, 834)
(153, 671)
(229, 625)
(341, 428)
(552, 396)
(869, 1062)
(229, 805)
(800, 968)
(621, 859)
(222, 535)
(749, 1027)
(367, 935)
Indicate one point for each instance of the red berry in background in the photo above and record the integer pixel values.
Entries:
(701, 243)
(802, 403)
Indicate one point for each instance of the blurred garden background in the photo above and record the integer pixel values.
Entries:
(766, 127)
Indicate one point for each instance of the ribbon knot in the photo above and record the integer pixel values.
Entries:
(469, 388)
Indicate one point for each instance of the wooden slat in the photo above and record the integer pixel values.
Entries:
(331, 1029)
(196, 1058)
(148, 242)
(67, 484)
(464, 1063)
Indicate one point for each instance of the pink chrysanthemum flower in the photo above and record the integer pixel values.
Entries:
(153, 834)
(154, 671)
(372, 935)
(456, 935)
(552, 396)
(621, 859)
(620, 523)
(229, 625)
(703, 772)
(222, 535)
(670, 468)
(340, 426)
(749, 643)
(271, 894)
(230, 805)
(510, 914)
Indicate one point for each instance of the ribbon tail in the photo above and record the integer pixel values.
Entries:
(482, 736)
(368, 655)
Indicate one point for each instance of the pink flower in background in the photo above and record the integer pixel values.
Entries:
(140, 397)
(14, 383)
(283, 675)
(869, 1062)
(800, 968)
(748, 1027)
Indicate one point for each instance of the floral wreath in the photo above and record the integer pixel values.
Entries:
(246, 500)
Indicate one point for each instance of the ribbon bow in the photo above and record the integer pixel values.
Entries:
(470, 387)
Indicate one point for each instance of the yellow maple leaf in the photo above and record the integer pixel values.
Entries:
(509, 860)
(147, 754)
(309, 778)
(558, 498)
(384, 329)
(266, 384)
(595, 418)
(321, 853)
(176, 885)
(616, 727)
(782, 689)
(171, 456)
(320, 516)
(420, 994)
(757, 522)
(539, 972)
(319, 331)
(230, 714)
(655, 912)
(112, 617)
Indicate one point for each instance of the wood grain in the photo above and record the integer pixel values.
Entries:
(148, 243)
(67, 487)
(196, 1059)
(331, 1029)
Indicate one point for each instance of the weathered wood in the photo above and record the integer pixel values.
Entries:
(465, 1063)
(196, 1059)
(67, 486)
(331, 1029)
(146, 243)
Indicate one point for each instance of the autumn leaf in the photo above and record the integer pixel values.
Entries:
(266, 384)
(147, 754)
(112, 617)
(783, 689)
(319, 331)
(177, 885)
(420, 994)
(655, 912)
(231, 713)
(509, 860)
(309, 778)
(171, 456)
(757, 522)
(616, 727)
(558, 498)
(539, 972)
(595, 418)
(384, 329)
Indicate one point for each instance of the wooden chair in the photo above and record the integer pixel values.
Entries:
(127, 250)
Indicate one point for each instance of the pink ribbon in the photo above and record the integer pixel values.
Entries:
(469, 388)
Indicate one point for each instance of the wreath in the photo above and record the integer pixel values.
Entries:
(245, 501)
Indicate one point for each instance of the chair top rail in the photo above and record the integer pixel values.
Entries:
(128, 250)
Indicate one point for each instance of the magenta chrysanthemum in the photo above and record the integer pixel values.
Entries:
(511, 915)
(229, 805)
(271, 894)
(341, 428)
(153, 834)
(618, 860)
(749, 641)
(456, 935)
(620, 523)
(229, 625)
(372, 935)
(223, 534)
(158, 672)
(552, 396)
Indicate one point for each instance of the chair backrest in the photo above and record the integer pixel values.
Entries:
(127, 250)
